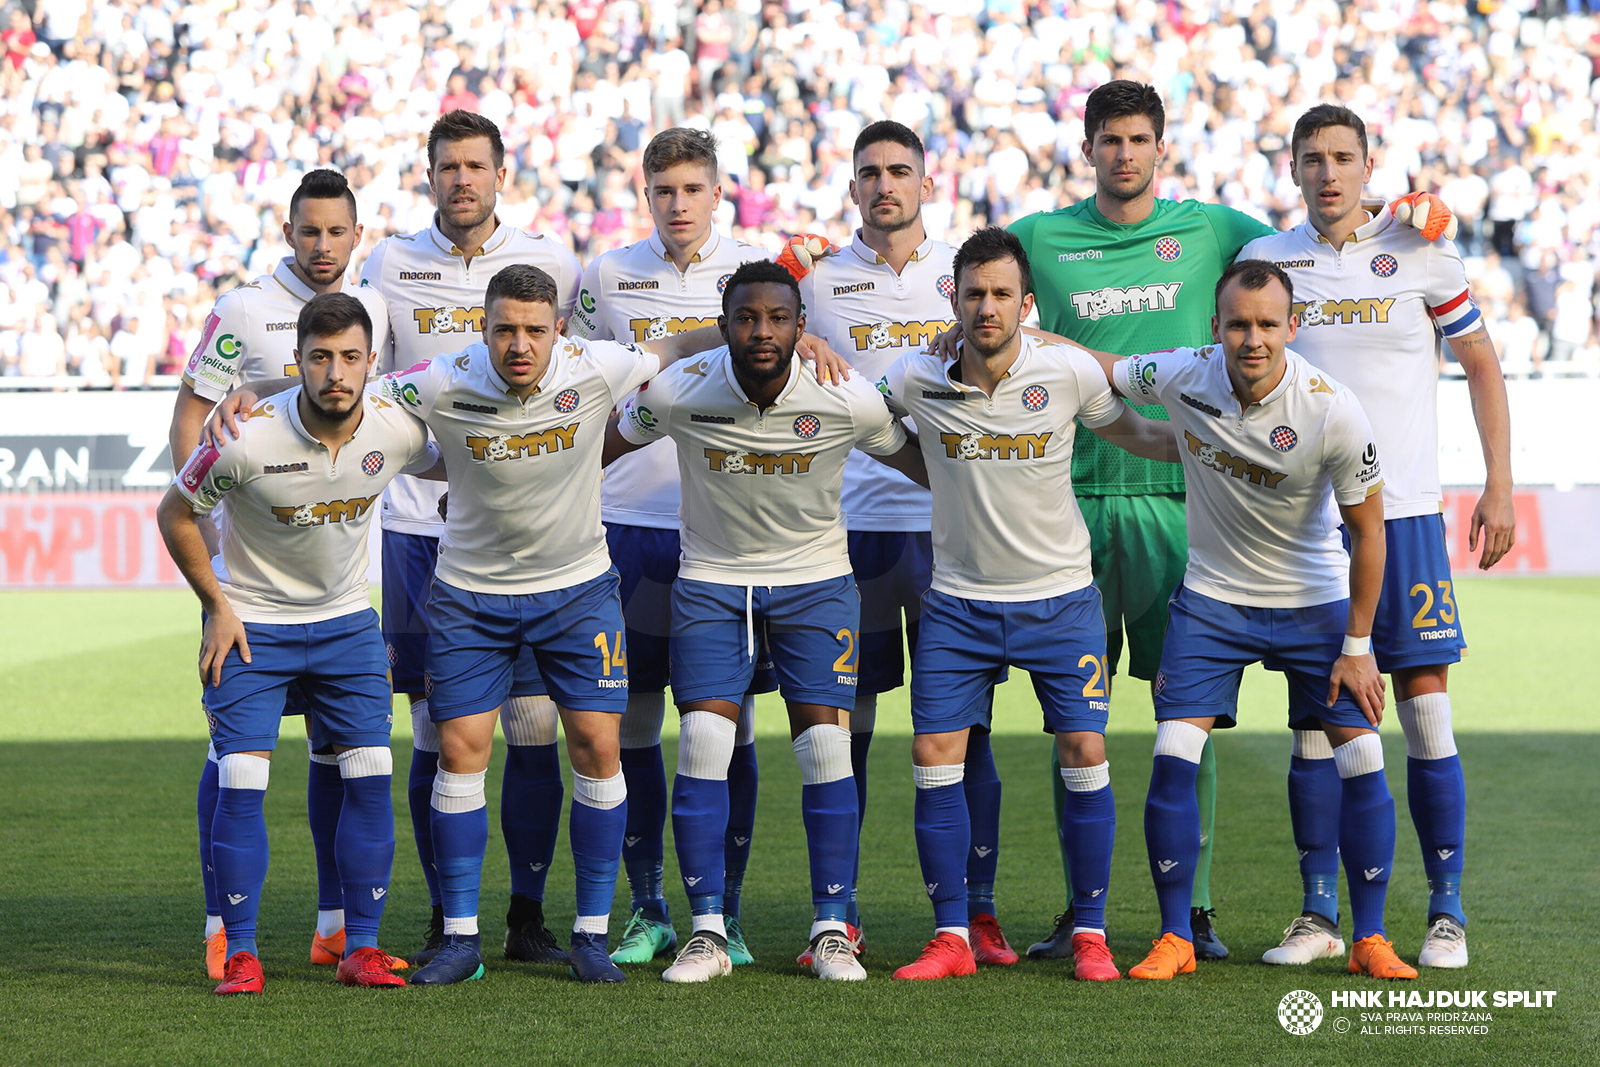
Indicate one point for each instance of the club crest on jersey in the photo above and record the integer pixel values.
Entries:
(567, 401)
(372, 463)
(722, 283)
(1035, 397)
(806, 426)
(1385, 265)
(1284, 438)
(1168, 249)
(947, 285)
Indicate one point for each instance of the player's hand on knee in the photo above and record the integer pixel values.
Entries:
(831, 366)
(1360, 675)
(946, 344)
(223, 425)
(1495, 521)
(223, 631)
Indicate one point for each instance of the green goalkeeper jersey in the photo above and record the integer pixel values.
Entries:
(1131, 289)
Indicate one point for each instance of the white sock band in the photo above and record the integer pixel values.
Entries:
(822, 926)
(1184, 740)
(705, 745)
(959, 931)
(602, 793)
(456, 793)
(746, 733)
(823, 753)
(712, 921)
(864, 716)
(329, 922)
(937, 777)
(1426, 722)
(1087, 779)
(327, 759)
(1312, 744)
(641, 723)
(424, 738)
(242, 771)
(211, 753)
(365, 762)
(592, 924)
(1360, 756)
(529, 720)
(464, 926)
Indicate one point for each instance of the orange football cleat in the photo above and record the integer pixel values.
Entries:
(946, 956)
(1375, 957)
(217, 955)
(1170, 957)
(370, 967)
(243, 975)
(989, 942)
(1091, 959)
(328, 951)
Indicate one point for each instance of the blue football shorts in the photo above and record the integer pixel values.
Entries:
(1417, 623)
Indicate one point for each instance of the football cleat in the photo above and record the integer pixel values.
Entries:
(833, 958)
(1170, 957)
(589, 962)
(370, 967)
(460, 960)
(1308, 938)
(1058, 945)
(1375, 957)
(532, 942)
(1092, 959)
(242, 975)
(433, 939)
(946, 956)
(643, 939)
(738, 951)
(704, 957)
(1207, 945)
(1445, 945)
(327, 951)
(989, 943)
(858, 941)
(217, 955)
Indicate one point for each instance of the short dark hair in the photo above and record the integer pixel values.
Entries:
(990, 245)
(1253, 274)
(1120, 99)
(521, 281)
(1322, 117)
(323, 184)
(759, 272)
(329, 314)
(681, 144)
(894, 133)
(459, 125)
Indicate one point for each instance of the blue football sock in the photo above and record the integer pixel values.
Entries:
(1172, 838)
(460, 836)
(642, 847)
(531, 796)
(860, 745)
(744, 778)
(205, 806)
(324, 799)
(1437, 794)
(982, 785)
(832, 821)
(239, 849)
(364, 843)
(700, 827)
(1366, 831)
(1314, 802)
(419, 794)
(944, 837)
(1088, 830)
(596, 826)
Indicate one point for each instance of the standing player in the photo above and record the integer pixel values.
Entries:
(433, 281)
(286, 601)
(762, 450)
(885, 294)
(1011, 582)
(1268, 440)
(1373, 299)
(668, 284)
(249, 336)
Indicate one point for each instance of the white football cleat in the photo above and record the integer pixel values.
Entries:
(833, 958)
(703, 957)
(1445, 945)
(1306, 939)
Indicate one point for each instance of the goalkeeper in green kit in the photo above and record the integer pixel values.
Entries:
(1125, 272)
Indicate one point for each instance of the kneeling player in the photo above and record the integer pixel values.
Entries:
(289, 604)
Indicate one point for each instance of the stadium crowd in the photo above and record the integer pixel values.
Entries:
(147, 150)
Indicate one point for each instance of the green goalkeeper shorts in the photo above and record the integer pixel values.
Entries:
(1140, 547)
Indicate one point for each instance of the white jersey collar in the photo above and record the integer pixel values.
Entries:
(501, 234)
(291, 400)
(870, 255)
(1029, 342)
(285, 276)
(493, 383)
(1380, 221)
(795, 370)
(707, 250)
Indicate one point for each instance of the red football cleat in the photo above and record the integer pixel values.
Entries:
(243, 975)
(946, 956)
(989, 943)
(370, 967)
(1091, 959)
(858, 941)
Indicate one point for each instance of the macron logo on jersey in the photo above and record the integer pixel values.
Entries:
(324, 513)
(1237, 466)
(994, 446)
(1096, 304)
(513, 446)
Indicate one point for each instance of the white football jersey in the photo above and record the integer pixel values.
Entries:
(251, 333)
(871, 316)
(1006, 525)
(760, 487)
(1371, 315)
(295, 549)
(638, 294)
(435, 302)
(524, 474)
(1261, 528)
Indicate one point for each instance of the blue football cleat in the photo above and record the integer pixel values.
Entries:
(460, 960)
(590, 963)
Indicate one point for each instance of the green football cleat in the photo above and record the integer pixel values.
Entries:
(643, 939)
(738, 951)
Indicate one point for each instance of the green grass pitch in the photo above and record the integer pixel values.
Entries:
(100, 909)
